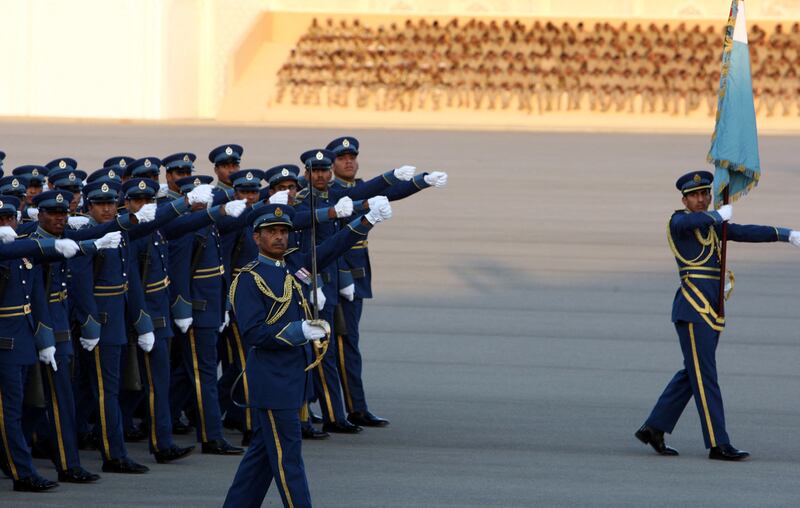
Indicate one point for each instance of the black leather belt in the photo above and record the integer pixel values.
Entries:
(159, 322)
(62, 336)
(358, 273)
(6, 343)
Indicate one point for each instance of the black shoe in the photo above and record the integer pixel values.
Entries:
(313, 433)
(77, 474)
(124, 465)
(221, 447)
(181, 428)
(341, 428)
(655, 438)
(247, 437)
(315, 418)
(727, 452)
(366, 419)
(34, 483)
(173, 453)
(135, 434)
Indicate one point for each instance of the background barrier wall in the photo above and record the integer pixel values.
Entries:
(209, 59)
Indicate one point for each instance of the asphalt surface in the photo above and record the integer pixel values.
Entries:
(520, 332)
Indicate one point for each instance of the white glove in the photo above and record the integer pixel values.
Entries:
(385, 211)
(146, 213)
(313, 331)
(146, 341)
(109, 240)
(7, 234)
(184, 324)
(404, 173)
(344, 207)
(377, 202)
(235, 208)
(89, 344)
(33, 213)
(201, 194)
(320, 299)
(67, 247)
(77, 221)
(726, 212)
(436, 179)
(48, 356)
(226, 321)
(348, 292)
(162, 190)
(794, 238)
(279, 198)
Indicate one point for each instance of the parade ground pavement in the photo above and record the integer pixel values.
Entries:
(520, 331)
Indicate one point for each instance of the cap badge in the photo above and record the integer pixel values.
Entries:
(142, 185)
(71, 177)
(186, 158)
(196, 182)
(228, 150)
(35, 172)
(147, 163)
(278, 212)
(319, 156)
(122, 163)
(697, 178)
(346, 143)
(104, 187)
(14, 183)
(248, 176)
(1, 204)
(59, 198)
(284, 172)
(62, 164)
(111, 173)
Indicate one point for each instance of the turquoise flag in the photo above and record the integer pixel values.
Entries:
(734, 145)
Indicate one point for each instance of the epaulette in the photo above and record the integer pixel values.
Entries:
(249, 266)
(290, 250)
(301, 195)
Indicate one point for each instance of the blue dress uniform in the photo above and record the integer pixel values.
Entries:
(118, 302)
(58, 387)
(199, 350)
(232, 354)
(150, 261)
(25, 328)
(356, 270)
(694, 240)
(326, 380)
(270, 307)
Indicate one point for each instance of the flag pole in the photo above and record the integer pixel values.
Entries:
(723, 255)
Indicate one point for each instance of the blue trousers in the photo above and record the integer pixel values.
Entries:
(326, 376)
(698, 379)
(199, 364)
(106, 363)
(154, 368)
(15, 451)
(276, 453)
(350, 356)
(233, 362)
(62, 427)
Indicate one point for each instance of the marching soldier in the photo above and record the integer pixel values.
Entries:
(355, 278)
(318, 165)
(693, 235)
(274, 318)
(35, 176)
(26, 326)
(199, 346)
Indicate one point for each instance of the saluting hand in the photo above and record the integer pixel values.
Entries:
(67, 247)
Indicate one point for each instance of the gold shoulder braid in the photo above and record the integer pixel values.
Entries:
(282, 303)
(710, 241)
